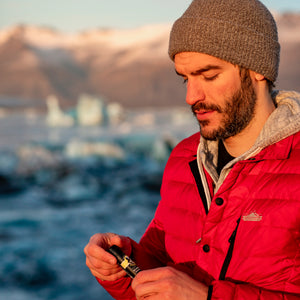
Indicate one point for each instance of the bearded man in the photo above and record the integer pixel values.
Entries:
(227, 226)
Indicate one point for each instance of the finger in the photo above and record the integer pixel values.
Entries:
(101, 265)
(151, 289)
(154, 280)
(110, 277)
(97, 253)
(148, 297)
(146, 290)
(152, 275)
(106, 240)
(105, 271)
(123, 242)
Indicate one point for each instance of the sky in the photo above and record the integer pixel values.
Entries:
(78, 15)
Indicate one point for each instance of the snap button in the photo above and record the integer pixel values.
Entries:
(219, 201)
(206, 248)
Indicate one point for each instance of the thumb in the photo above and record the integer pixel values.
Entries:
(123, 242)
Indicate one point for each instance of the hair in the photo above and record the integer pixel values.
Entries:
(245, 72)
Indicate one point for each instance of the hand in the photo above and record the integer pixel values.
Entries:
(167, 283)
(102, 264)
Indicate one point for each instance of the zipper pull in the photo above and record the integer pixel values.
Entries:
(198, 241)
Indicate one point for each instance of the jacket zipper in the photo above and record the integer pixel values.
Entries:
(229, 253)
(201, 191)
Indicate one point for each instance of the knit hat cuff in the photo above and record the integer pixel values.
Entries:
(233, 43)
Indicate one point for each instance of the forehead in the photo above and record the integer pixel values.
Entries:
(199, 60)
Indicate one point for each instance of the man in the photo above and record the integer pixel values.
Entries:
(227, 225)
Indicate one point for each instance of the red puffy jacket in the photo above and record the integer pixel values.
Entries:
(248, 245)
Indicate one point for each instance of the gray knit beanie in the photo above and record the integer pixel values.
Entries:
(242, 32)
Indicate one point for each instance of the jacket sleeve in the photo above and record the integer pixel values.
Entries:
(119, 289)
(148, 254)
(226, 290)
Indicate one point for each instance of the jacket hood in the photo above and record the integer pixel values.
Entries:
(283, 122)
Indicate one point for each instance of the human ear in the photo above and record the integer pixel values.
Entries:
(259, 77)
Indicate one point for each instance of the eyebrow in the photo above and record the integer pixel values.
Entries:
(202, 70)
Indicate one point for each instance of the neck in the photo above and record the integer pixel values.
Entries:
(242, 142)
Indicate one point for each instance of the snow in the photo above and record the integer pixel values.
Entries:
(143, 42)
(127, 38)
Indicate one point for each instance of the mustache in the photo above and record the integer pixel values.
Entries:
(205, 106)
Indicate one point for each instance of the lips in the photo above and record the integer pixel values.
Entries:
(203, 114)
(203, 111)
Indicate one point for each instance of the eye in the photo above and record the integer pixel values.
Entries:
(211, 78)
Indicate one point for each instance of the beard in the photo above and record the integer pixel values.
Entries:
(238, 111)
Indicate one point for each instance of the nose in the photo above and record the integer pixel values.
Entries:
(194, 92)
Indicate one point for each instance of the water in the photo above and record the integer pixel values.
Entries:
(58, 186)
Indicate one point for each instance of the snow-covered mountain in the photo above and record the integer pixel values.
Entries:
(126, 66)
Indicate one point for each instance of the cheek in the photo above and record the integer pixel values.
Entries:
(222, 90)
